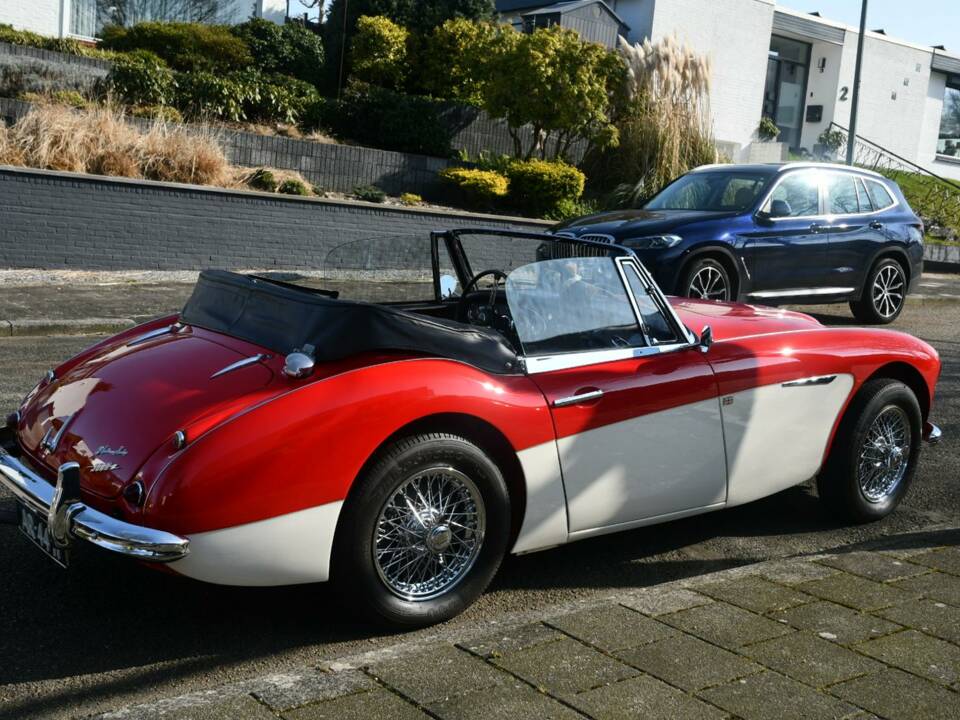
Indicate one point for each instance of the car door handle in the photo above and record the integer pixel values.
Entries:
(816, 227)
(579, 398)
(876, 225)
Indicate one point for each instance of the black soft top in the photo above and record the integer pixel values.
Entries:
(284, 319)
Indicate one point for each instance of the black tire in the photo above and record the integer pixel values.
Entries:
(841, 482)
(708, 279)
(362, 579)
(876, 307)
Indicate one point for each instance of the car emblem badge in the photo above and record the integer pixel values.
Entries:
(99, 466)
(107, 450)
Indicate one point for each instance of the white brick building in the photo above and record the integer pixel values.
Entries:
(84, 18)
(798, 69)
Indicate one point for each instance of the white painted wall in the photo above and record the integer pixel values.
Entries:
(735, 35)
(39, 16)
(822, 87)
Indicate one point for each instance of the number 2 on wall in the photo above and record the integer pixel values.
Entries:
(844, 91)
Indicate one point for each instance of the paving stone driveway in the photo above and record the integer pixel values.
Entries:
(853, 635)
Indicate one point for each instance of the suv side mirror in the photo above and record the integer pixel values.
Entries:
(706, 338)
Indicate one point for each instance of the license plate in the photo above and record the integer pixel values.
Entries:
(34, 526)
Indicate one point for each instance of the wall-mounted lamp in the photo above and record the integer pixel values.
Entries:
(822, 64)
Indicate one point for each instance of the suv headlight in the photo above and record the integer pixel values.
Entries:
(654, 242)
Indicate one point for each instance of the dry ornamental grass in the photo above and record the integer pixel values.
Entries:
(101, 142)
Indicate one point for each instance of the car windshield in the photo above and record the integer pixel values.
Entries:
(712, 191)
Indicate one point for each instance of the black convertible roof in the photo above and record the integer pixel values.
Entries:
(285, 319)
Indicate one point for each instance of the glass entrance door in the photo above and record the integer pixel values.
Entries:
(786, 87)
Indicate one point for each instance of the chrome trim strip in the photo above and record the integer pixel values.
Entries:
(808, 382)
(932, 433)
(77, 520)
(252, 360)
(548, 363)
(51, 443)
(155, 334)
(800, 292)
(577, 399)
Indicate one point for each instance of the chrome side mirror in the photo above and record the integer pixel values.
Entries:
(448, 286)
(706, 338)
(298, 365)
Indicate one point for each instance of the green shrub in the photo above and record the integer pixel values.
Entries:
(276, 98)
(410, 199)
(378, 52)
(264, 180)
(832, 140)
(204, 95)
(476, 187)
(157, 112)
(767, 130)
(567, 209)
(542, 187)
(289, 49)
(142, 78)
(389, 120)
(369, 193)
(69, 97)
(184, 46)
(293, 187)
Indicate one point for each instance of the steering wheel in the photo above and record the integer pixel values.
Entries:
(464, 303)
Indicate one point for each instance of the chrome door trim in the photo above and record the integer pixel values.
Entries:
(800, 292)
(577, 399)
(565, 361)
(252, 360)
(810, 381)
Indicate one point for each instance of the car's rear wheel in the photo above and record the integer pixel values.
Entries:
(707, 279)
(423, 531)
(874, 454)
(883, 295)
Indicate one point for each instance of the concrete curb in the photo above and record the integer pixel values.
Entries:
(76, 326)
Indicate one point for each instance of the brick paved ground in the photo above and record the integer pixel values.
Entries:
(855, 635)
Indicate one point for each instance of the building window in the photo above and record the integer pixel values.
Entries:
(89, 17)
(948, 143)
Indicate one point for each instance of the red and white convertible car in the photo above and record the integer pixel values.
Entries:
(506, 392)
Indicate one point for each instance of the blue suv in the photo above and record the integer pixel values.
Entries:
(790, 233)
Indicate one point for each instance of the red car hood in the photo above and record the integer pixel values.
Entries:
(117, 404)
(733, 320)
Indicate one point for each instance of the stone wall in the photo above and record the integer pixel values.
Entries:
(63, 220)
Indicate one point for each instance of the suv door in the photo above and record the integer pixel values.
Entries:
(638, 424)
(788, 249)
(854, 226)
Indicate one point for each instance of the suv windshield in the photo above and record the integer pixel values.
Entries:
(713, 191)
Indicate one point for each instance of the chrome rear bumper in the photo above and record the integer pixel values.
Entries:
(70, 518)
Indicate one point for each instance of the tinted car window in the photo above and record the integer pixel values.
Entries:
(842, 194)
(879, 195)
(800, 191)
(711, 191)
(654, 321)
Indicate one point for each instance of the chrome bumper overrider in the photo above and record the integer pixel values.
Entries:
(931, 433)
(69, 518)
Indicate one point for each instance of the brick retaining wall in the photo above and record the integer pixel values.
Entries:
(63, 220)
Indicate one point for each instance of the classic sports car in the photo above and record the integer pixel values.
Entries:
(505, 392)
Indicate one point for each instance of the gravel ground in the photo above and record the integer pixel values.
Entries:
(108, 633)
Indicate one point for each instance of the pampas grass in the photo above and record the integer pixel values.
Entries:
(102, 142)
(663, 120)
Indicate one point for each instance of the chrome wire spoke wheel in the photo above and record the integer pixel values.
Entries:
(708, 284)
(888, 290)
(884, 454)
(429, 533)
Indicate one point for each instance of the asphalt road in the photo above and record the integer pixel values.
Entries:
(108, 633)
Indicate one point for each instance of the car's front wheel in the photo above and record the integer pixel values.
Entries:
(875, 451)
(423, 531)
(884, 294)
(707, 279)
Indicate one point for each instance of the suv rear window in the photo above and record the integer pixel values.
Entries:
(879, 195)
